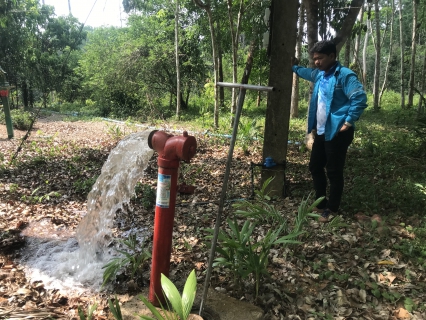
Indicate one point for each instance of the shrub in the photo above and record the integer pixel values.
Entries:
(21, 119)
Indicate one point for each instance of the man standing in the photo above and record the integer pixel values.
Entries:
(338, 100)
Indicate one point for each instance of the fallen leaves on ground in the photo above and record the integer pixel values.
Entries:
(350, 271)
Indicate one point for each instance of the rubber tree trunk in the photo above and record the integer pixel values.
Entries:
(294, 110)
(402, 46)
(378, 57)
(421, 107)
(280, 77)
(364, 51)
(355, 59)
(178, 93)
(347, 52)
(413, 55)
(235, 29)
(386, 76)
(312, 20)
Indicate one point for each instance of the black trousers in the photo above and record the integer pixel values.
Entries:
(331, 156)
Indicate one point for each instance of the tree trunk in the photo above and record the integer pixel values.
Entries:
(378, 57)
(280, 77)
(355, 59)
(413, 56)
(294, 110)
(421, 108)
(221, 77)
(312, 20)
(207, 8)
(402, 45)
(249, 63)
(69, 6)
(234, 39)
(346, 29)
(178, 93)
(385, 80)
(25, 95)
(347, 52)
(364, 50)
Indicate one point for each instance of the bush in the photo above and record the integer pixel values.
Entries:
(21, 119)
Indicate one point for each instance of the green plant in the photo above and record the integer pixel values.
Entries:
(145, 195)
(247, 133)
(246, 255)
(21, 119)
(304, 211)
(83, 186)
(181, 305)
(90, 311)
(115, 132)
(115, 309)
(34, 198)
(134, 257)
(261, 208)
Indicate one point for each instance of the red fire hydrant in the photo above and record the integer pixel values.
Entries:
(171, 150)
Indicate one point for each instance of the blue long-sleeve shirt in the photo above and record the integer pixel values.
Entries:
(345, 98)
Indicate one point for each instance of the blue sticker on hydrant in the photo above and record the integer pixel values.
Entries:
(163, 190)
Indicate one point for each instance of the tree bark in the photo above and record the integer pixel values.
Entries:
(312, 20)
(178, 93)
(280, 77)
(234, 39)
(421, 108)
(355, 59)
(294, 110)
(346, 29)
(378, 57)
(385, 80)
(347, 52)
(402, 45)
(413, 56)
(206, 6)
(364, 50)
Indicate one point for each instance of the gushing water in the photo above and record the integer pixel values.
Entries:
(75, 264)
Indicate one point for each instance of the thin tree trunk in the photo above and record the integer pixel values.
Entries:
(385, 80)
(207, 8)
(294, 111)
(364, 50)
(178, 94)
(413, 56)
(347, 52)
(378, 57)
(402, 45)
(355, 59)
(421, 107)
(234, 39)
(312, 20)
(69, 6)
(221, 77)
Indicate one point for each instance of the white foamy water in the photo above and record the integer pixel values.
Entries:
(73, 262)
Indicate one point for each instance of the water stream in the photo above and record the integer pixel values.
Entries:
(73, 262)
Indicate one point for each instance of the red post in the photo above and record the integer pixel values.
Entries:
(171, 150)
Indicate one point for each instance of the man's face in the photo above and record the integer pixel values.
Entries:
(324, 61)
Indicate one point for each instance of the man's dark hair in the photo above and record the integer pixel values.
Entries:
(325, 46)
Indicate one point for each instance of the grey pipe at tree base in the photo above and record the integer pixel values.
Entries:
(4, 94)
